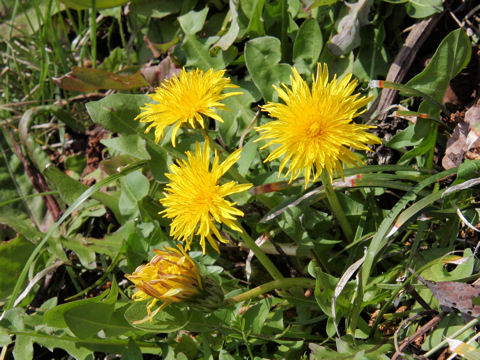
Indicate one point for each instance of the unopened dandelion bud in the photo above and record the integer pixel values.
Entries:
(209, 299)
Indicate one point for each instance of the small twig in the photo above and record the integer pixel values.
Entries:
(411, 290)
(429, 325)
(247, 130)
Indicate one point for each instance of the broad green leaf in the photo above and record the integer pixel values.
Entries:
(21, 226)
(256, 316)
(423, 8)
(249, 155)
(71, 189)
(372, 61)
(56, 317)
(13, 255)
(131, 144)
(262, 56)
(156, 9)
(170, 319)
(469, 169)
(132, 352)
(198, 53)
(307, 47)
(88, 319)
(136, 251)
(4, 337)
(238, 116)
(76, 163)
(318, 3)
(134, 187)
(78, 351)
(451, 56)
(447, 327)
(117, 325)
(23, 348)
(192, 22)
(231, 35)
(250, 18)
(117, 112)
(85, 254)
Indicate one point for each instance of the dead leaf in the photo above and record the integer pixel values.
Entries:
(155, 74)
(348, 28)
(455, 295)
(456, 146)
(89, 79)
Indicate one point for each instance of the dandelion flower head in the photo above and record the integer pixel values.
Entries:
(171, 276)
(195, 199)
(186, 99)
(314, 128)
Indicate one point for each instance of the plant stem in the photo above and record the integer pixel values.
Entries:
(284, 284)
(266, 262)
(336, 207)
(444, 342)
(93, 33)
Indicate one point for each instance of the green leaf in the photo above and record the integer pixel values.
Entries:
(231, 35)
(13, 255)
(23, 348)
(117, 325)
(238, 116)
(116, 112)
(132, 352)
(156, 9)
(75, 349)
(4, 337)
(88, 319)
(192, 22)
(251, 20)
(56, 317)
(452, 55)
(76, 163)
(134, 187)
(308, 45)
(132, 145)
(256, 316)
(198, 53)
(71, 189)
(419, 9)
(372, 61)
(137, 250)
(262, 56)
(249, 155)
(87, 4)
(170, 319)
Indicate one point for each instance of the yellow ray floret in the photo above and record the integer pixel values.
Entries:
(171, 276)
(314, 128)
(186, 99)
(195, 199)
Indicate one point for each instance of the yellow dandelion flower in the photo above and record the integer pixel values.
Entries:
(186, 98)
(171, 276)
(195, 200)
(314, 130)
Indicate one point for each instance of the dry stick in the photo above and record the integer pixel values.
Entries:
(38, 181)
(429, 325)
(398, 70)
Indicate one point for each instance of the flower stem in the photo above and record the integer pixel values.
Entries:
(266, 262)
(284, 284)
(336, 207)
